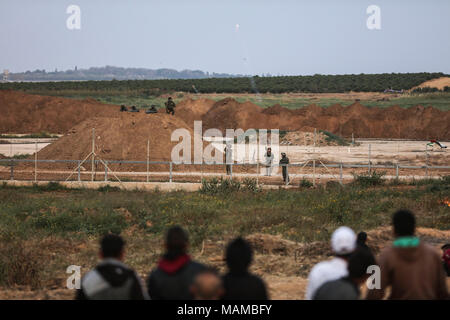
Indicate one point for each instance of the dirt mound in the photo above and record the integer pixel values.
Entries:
(118, 138)
(439, 83)
(413, 123)
(304, 138)
(191, 110)
(25, 113)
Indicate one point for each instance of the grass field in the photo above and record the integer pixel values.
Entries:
(44, 229)
(438, 100)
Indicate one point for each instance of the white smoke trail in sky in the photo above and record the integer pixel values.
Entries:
(245, 58)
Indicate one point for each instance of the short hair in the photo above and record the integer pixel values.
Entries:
(239, 255)
(404, 223)
(361, 238)
(359, 261)
(112, 246)
(177, 240)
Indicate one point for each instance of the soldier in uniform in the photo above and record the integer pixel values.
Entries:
(284, 161)
(170, 106)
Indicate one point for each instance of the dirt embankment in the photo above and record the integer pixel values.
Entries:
(439, 83)
(26, 113)
(123, 137)
(394, 122)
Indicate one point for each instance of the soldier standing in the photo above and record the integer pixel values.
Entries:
(284, 161)
(170, 106)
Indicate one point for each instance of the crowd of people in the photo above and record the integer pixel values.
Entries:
(408, 269)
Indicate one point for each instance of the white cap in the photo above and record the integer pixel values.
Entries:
(343, 241)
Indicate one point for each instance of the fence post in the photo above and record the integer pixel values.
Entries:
(340, 172)
(170, 172)
(79, 169)
(12, 169)
(369, 159)
(231, 171)
(106, 170)
(396, 171)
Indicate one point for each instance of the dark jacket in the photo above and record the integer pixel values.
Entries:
(341, 289)
(111, 280)
(172, 279)
(244, 286)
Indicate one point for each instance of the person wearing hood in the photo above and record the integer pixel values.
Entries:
(410, 267)
(176, 271)
(239, 283)
(343, 243)
(111, 279)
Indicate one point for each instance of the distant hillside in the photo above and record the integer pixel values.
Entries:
(113, 73)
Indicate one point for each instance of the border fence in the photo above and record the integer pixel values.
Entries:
(144, 171)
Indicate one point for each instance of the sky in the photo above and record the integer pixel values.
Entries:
(277, 37)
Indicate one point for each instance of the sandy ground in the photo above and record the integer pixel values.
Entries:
(381, 151)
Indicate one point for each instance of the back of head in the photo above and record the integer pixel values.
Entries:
(404, 223)
(176, 241)
(361, 238)
(239, 256)
(358, 263)
(207, 285)
(343, 241)
(112, 246)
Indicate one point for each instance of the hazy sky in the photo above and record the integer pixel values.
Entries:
(274, 36)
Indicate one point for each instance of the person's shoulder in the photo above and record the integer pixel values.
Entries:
(195, 265)
(431, 251)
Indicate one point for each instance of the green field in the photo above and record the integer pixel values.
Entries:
(440, 100)
(44, 229)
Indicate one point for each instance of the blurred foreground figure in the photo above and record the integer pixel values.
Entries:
(173, 277)
(446, 258)
(410, 267)
(343, 243)
(347, 288)
(111, 279)
(239, 283)
(207, 286)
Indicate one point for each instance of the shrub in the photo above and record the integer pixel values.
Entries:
(251, 185)
(331, 137)
(368, 180)
(306, 183)
(222, 186)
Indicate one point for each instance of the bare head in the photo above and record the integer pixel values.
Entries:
(207, 285)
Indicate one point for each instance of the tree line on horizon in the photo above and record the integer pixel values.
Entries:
(256, 84)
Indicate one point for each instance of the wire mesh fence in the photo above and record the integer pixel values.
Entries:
(314, 170)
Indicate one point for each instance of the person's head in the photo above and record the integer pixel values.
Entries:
(283, 155)
(170, 98)
(177, 241)
(404, 223)
(361, 238)
(343, 242)
(239, 255)
(269, 150)
(358, 263)
(112, 246)
(207, 285)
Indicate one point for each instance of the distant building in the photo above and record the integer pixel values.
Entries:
(5, 75)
